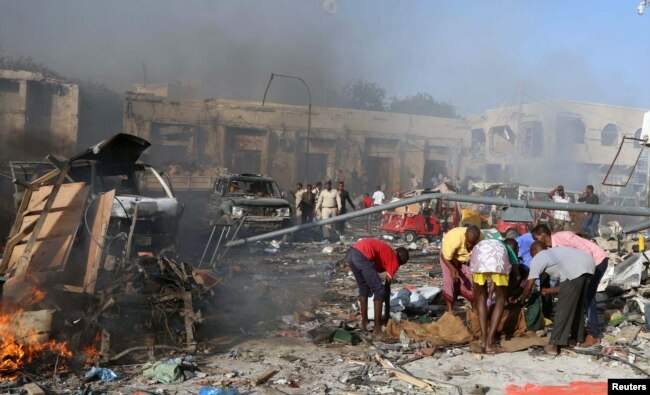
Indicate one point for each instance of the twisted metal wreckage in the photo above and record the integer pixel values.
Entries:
(89, 256)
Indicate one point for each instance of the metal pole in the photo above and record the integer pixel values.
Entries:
(502, 202)
(308, 114)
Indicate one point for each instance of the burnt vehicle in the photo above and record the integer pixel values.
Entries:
(252, 201)
(141, 192)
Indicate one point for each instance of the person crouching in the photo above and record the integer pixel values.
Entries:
(367, 259)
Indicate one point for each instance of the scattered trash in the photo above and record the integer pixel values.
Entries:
(412, 246)
(454, 352)
(328, 250)
(275, 244)
(387, 237)
(628, 274)
(218, 391)
(617, 318)
(104, 374)
(164, 372)
(270, 250)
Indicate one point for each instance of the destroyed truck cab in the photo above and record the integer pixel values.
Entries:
(145, 213)
(250, 202)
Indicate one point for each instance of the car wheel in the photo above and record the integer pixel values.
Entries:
(512, 234)
(410, 237)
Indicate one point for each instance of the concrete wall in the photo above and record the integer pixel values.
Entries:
(363, 148)
(37, 115)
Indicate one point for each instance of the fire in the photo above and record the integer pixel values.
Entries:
(91, 351)
(19, 352)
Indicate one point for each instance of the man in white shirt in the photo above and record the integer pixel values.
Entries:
(329, 204)
(299, 192)
(378, 197)
(561, 219)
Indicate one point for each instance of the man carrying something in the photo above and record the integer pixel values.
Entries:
(457, 245)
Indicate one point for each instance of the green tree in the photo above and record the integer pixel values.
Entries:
(363, 95)
(422, 104)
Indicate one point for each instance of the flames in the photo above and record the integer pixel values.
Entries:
(23, 348)
(91, 351)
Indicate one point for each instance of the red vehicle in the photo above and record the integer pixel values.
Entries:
(513, 222)
(511, 229)
(412, 225)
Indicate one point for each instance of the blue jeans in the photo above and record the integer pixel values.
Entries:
(590, 224)
(590, 298)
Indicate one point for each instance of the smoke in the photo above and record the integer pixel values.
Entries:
(472, 54)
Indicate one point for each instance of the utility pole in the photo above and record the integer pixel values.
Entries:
(308, 115)
(519, 136)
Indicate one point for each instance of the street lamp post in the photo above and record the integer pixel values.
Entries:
(308, 115)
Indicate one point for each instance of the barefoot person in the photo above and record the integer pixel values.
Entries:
(455, 251)
(574, 269)
(367, 259)
(490, 260)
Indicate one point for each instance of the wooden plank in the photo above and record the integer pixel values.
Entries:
(25, 259)
(47, 254)
(60, 225)
(98, 224)
(24, 203)
(45, 177)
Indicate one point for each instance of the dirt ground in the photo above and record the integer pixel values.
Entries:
(271, 299)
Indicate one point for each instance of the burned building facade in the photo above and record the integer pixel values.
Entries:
(539, 143)
(363, 148)
(551, 142)
(38, 115)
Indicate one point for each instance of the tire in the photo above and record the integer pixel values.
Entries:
(410, 236)
(512, 234)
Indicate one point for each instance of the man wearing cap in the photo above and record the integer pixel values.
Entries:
(561, 219)
(329, 204)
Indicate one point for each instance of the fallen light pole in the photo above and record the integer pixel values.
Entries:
(636, 227)
(503, 202)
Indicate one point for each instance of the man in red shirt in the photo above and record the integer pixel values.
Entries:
(367, 258)
(367, 203)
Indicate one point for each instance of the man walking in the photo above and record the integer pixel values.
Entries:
(299, 192)
(378, 197)
(307, 203)
(574, 269)
(367, 259)
(561, 219)
(542, 234)
(344, 195)
(590, 223)
(329, 204)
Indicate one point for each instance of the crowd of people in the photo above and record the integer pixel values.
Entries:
(321, 201)
(560, 270)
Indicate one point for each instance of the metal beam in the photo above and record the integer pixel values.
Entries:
(503, 202)
(637, 227)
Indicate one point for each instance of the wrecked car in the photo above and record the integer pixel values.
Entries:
(140, 190)
(251, 201)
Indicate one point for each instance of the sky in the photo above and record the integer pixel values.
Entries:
(473, 53)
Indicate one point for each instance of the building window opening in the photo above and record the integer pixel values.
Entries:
(502, 139)
(609, 135)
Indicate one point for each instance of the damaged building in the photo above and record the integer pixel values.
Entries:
(367, 148)
(38, 115)
(364, 148)
(512, 143)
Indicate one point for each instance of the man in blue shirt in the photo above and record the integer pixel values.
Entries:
(525, 241)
